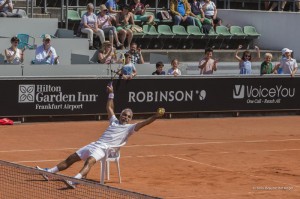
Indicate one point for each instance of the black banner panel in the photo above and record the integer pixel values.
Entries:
(29, 97)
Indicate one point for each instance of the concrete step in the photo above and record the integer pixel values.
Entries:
(22, 3)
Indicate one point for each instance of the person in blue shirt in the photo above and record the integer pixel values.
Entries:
(180, 9)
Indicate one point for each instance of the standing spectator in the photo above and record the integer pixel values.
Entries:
(6, 9)
(107, 54)
(104, 23)
(13, 55)
(267, 67)
(207, 64)
(159, 69)
(123, 21)
(113, 8)
(90, 26)
(245, 60)
(174, 70)
(209, 11)
(139, 9)
(136, 54)
(45, 53)
(128, 71)
(181, 11)
(287, 63)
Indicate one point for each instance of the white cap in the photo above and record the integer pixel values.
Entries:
(286, 50)
(47, 36)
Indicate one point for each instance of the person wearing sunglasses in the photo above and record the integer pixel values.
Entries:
(45, 53)
(14, 55)
(245, 64)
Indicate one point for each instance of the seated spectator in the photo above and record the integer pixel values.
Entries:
(104, 23)
(107, 54)
(136, 54)
(123, 21)
(174, 70)
(159, 69)
(207, 64)
(6, 9)
(267, 67)
(89, 26)
(13, 55)
(45, 53)
(245, 61)
(287, 63)
(200, 20)
(180, 10)
(113, 8)
(209, 11)
(138, 9)
(128, 71)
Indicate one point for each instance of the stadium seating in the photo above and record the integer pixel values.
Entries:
(250, 31)
(24, 41)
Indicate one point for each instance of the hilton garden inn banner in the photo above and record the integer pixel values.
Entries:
(77, 96)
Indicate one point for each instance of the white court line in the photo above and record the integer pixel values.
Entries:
(158, 145)
(238, 172)
(139, 156)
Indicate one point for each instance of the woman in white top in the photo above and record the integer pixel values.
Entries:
(14, 55)
(104, 23)
(209, 10)
(90, 26)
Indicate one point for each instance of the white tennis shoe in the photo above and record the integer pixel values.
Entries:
(70, 184)
(44, 175)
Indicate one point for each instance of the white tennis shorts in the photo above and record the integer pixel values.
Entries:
(91, 150)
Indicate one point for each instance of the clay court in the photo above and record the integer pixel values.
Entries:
(232, 158)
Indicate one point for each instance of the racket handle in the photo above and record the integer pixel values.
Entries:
(109, 85)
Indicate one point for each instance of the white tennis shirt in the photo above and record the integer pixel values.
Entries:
(116, 133)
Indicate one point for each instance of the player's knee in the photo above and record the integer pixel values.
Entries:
(90, 161)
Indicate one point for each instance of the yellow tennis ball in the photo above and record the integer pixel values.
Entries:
(161, 111)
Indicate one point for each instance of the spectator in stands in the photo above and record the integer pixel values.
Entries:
(46, 54)
(209, 11)
(128, 71)
(245, 60)
(107, 54)
(123, 21)
(287, 63)
(174, 70)
(136, 54)
(196, 13)
(113, 8)
(139, 9)
(89, 26)
(180, 9)
(6, 9)
(275, 4)
(267, 67)
(159, 69)
(104, 23)
(13, 55)
(207, 64)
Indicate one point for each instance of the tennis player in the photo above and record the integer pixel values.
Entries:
(118, 132)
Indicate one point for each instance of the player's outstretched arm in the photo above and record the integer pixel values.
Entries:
(159, 113)
(110, 102)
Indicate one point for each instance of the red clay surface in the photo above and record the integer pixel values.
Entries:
(232, 158)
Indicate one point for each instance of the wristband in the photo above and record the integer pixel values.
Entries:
(111, 96)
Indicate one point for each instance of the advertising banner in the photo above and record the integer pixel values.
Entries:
(74, 96)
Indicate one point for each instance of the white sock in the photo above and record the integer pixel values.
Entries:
(78, 176)
(53, 170)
